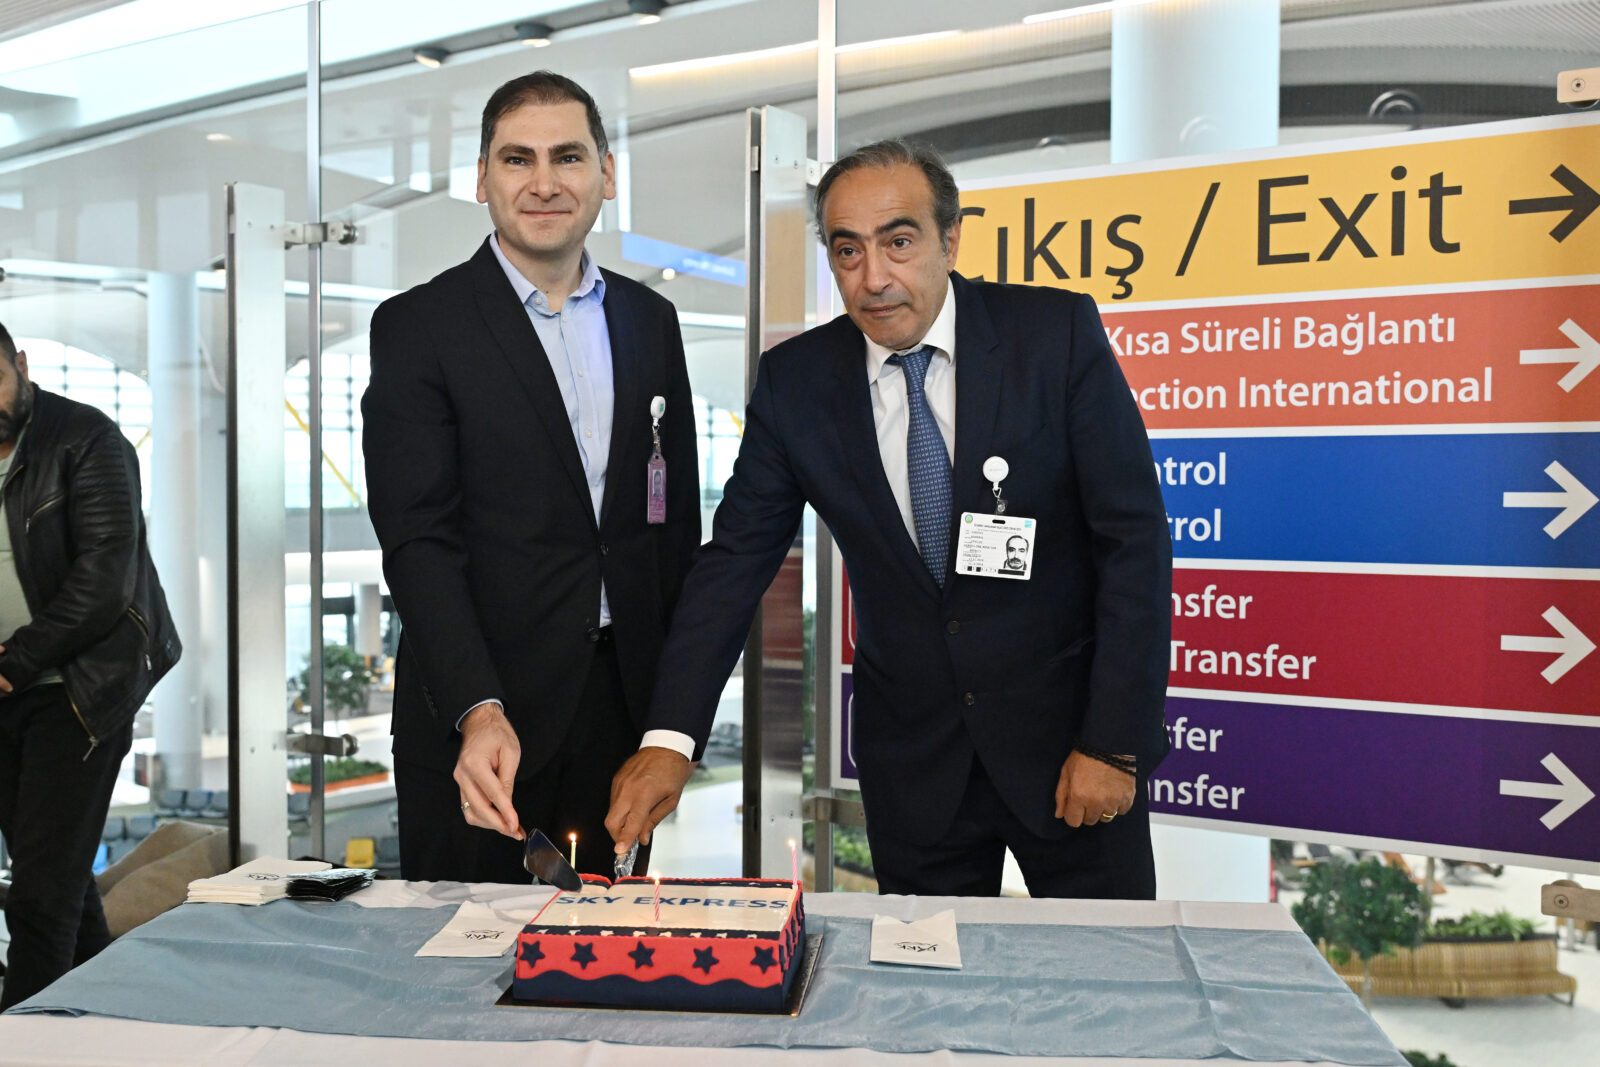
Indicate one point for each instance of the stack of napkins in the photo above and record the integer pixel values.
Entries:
(257, 882)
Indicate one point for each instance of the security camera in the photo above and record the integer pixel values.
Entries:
(1578, 88)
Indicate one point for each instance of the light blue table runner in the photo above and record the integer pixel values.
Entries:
(1167, 991)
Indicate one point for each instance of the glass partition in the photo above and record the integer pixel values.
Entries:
(112, 232)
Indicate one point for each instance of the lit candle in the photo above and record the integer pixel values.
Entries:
(573, 838)
(794, 862)
(656, 877)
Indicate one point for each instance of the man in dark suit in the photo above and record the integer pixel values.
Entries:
(990, 712)
(509, 444)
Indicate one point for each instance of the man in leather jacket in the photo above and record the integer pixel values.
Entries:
(84, 636)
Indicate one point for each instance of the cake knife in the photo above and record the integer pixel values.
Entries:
(544, 861)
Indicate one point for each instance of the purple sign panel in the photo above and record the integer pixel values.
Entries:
(1486, 788)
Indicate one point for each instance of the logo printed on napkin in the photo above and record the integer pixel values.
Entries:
(929, 942)
(477, 930)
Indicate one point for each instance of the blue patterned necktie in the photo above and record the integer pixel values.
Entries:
(928, 464)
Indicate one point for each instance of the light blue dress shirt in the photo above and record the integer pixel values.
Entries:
(578, 345)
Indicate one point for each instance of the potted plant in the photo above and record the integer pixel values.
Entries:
(339, 774)
(346, 681)
(1360, 910)
(1477, 926)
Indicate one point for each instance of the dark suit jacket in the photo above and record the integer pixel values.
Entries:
(1016, 672)
(479, 499)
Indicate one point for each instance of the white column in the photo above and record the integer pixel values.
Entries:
(173, 360)
(1190, 77)
(1193, 76)
(368, 638)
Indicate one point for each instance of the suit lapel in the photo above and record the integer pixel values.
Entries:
(980, 377)
(628, 411)
(519, 345)
(858, 439)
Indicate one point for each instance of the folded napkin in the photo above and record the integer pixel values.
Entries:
(929, 942)
(257, 882)
(477, 930)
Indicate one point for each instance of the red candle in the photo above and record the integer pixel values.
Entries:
(794, 862)
(656, 876)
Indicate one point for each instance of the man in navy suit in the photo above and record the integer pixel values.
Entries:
(991, 711)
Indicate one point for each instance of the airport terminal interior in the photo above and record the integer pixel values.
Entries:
(138, 138)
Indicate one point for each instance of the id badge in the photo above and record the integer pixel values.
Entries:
(655, 510)
(996, 546)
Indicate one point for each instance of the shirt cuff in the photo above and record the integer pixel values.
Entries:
(682, 744)
(475, 707)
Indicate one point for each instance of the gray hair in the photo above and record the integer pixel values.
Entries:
(895, 152)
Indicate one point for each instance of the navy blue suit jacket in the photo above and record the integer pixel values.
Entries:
(1014, 672)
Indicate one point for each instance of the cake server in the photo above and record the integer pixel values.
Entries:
(544, 861)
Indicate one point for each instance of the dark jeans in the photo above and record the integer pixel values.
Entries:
(571, 793)
(1104, 860)
(53, 802)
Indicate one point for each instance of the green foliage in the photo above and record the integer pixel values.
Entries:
(1501, 926)
(337, 770)
(1422, 1059)
(346, 679)
(1363, 909)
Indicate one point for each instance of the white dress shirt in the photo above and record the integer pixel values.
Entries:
(890, 412)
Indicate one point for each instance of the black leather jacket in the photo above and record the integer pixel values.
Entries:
(78, 541)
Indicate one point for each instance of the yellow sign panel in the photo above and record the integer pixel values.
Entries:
(1432, 208)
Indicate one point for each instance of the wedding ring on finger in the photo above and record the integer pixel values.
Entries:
(465, 804)
(1107, 816)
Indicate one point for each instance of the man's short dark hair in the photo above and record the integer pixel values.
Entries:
(540, 87)
(895, 152)
(8, 347)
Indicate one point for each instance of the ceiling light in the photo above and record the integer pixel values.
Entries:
(219, 136)
(1074, 12)
(536, 34)
(647, 11)
(703, 62)
(432, 58)
(667, 274)
(891, 42)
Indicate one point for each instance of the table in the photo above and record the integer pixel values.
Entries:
(59, 1040)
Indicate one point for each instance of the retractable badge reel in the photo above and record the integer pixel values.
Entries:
(996, 545)
(656, 469)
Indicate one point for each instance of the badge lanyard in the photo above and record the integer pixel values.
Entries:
(995, 468)
(655, 511)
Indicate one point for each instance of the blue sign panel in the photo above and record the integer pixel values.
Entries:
(653, 253)
(1525, 500)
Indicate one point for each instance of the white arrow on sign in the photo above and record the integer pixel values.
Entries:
(1573, 500)
(1571, 646)
(1584, 358)
(1568, 788)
